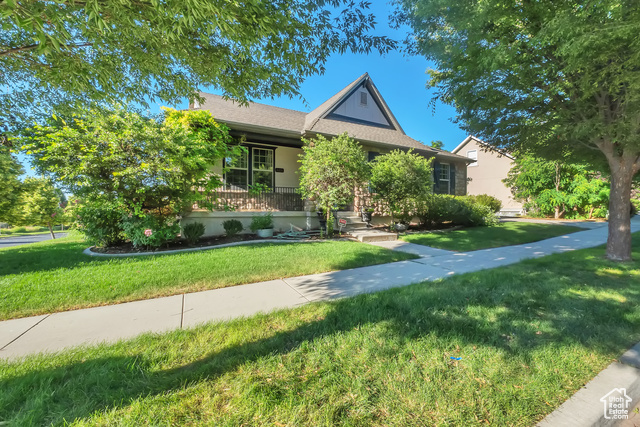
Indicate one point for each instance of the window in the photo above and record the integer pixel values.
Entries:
(473, 155)
(444, 178)
(236, 175)
(262, 166)
(363, 99)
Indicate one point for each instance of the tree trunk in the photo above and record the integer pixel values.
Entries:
(53, 236)
(557, 182)
(619, 239)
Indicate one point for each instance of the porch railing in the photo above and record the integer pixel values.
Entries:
(242, 199)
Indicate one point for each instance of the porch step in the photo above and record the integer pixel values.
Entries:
(374, 235)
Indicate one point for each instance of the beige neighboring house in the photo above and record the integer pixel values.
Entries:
(272, 136)
(486, 173)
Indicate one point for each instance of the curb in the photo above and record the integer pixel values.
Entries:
(89, 252)
(585, 407)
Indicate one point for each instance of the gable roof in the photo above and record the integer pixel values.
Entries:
(266, 119)
(488, 147)
(326, 108)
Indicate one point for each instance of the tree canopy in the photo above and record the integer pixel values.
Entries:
(551, 77)
(40, 203)
(66, 53)
(119, 156)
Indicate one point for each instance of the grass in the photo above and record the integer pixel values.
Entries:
(504, 234)
(528, 335)
(55, 276)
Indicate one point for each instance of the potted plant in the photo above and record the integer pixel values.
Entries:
(262, 225)
(322, 218)
(367, 214)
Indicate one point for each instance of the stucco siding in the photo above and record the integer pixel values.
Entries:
(485, 177)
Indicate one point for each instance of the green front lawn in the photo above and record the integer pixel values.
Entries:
(528, 336)
(55, 275)
(504, 234)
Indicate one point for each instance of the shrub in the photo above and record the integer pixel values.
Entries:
(436, 209)
(399, 178)
(261, 222)
(192, 232)
(100, 222)
(486, 200)
(150, 231)
(232, 227)
(331, 169)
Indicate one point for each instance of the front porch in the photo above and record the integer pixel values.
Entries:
(245, 199)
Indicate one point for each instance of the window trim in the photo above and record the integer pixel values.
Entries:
(250, 167)
(475, 159)
(271, 169)
(448, 176)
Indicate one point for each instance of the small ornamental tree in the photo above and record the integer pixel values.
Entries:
(331, 169)
(41, 203)
(399, 178)
(124, 162)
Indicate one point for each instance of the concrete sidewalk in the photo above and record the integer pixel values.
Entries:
(57, 331)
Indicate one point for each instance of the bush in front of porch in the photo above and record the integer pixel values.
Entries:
(331, 170)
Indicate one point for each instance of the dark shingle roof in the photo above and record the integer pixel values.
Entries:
(292, 123)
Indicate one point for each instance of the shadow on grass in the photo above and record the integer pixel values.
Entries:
(489, 309)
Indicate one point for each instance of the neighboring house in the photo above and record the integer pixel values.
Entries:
(485, 174)
(273, 135)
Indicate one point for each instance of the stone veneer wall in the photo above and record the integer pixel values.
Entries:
(461, 179)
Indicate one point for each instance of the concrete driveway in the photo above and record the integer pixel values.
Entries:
(5, 242)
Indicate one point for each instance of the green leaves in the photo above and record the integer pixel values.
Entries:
(64, 54)
(398, 178)
(330, 170)
(122, 157)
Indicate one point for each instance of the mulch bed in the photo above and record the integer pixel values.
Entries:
(127, 247)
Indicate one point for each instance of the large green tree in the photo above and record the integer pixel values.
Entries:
(10, 185)
(548, 76)
(120, 157)
(61, 53)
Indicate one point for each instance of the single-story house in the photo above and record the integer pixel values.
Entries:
(272, 136)
(485, 174)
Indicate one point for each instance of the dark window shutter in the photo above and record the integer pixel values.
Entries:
(373, 155)
(452, 178)
(436, 175)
